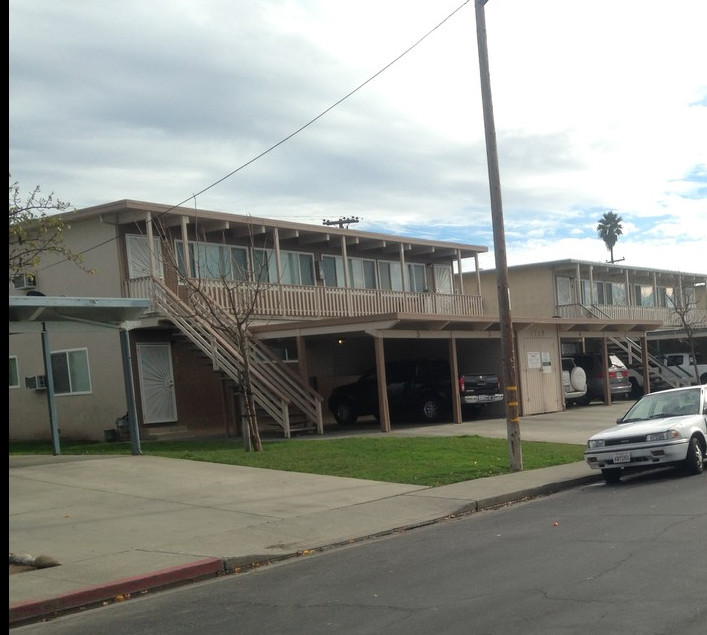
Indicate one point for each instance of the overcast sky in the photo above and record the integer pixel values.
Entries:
(599, 106)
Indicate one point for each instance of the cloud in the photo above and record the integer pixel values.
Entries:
(280, 109)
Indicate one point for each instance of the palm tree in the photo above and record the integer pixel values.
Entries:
(609, 230)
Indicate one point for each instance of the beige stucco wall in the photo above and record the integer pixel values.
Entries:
(98, 245)
(532, 291)
(81, 417)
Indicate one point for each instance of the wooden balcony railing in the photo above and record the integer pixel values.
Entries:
(669, 318)
(301, 302)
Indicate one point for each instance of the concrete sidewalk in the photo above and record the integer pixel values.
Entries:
(124, 525)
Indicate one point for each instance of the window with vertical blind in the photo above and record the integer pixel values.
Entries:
(297, 267)
(417, 278)
(390, 275)
(443, 279)
(213, 261)
(138, 252)
(610, 293)
(644, 295)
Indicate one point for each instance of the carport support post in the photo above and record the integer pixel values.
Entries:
(605, 373)
(383, 410)
(453, 364)
(646, 368)
(46, 352)
(130, 391)
(499, 244)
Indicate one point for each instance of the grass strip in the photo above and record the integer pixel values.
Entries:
(424, 461)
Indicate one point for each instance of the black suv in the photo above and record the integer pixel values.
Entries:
(420, 388)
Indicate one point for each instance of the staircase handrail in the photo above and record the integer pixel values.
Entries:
(656, 367)
(224, 356)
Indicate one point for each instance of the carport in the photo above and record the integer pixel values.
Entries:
(447, 331)
(45, 315)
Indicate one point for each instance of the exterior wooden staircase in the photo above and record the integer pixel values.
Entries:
(282, 396)
(660, 376)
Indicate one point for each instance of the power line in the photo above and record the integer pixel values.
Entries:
(309, 123)
(324, 112)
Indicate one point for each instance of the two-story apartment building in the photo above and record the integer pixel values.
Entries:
(319, 306)
(597, 293)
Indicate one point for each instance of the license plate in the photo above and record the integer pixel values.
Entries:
(479, 399)
(622, 457)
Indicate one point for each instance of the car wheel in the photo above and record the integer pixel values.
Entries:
(345, 414)
(694, 461)
(430, 409)
(612, 476)
(636, 391)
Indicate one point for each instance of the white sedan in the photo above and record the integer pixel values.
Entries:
(662, 428)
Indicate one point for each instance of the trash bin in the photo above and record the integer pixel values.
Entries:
(110, 435)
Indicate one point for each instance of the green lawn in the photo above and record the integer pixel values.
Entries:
(415, 461)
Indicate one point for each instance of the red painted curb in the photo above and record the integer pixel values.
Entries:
(118, 590)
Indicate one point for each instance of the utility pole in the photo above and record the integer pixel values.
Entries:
(341, 222)
(499, 243)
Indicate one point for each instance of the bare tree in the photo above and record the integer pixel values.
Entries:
(34, 232)
(239, 290)
(683, 304)
(609, 230)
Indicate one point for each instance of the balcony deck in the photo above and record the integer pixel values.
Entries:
(304, 302)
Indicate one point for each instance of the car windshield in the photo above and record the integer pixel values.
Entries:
(665, 404)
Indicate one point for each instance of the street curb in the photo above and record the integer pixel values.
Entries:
(121, 590)
(532, 492)
(116, 591)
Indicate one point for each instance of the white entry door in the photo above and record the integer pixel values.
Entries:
(159, 404)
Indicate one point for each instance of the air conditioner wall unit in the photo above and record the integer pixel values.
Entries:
(25, 281)
(36, 382)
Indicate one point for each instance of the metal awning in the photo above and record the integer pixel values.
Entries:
(44, 315)
(37, 313)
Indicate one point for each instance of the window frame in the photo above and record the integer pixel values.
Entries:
(236, 270)
(69, 354)
(13, 358)
(292, 262)
(138, 256)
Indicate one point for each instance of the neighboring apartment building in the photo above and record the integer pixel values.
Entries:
(596, 293)
(324, 304)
